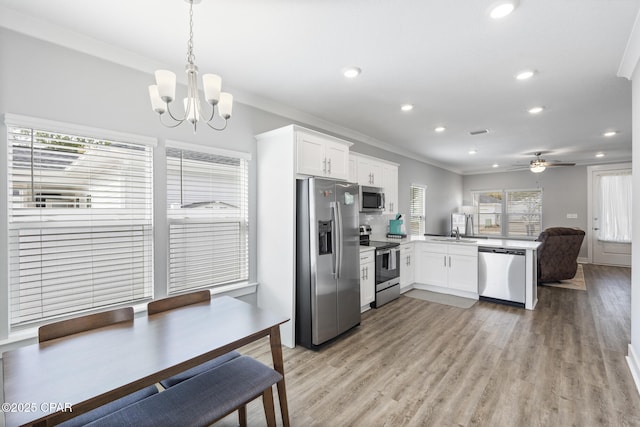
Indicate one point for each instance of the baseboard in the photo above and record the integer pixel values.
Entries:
(582, 260)
(634, 366)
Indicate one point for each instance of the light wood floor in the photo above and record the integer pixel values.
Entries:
(416, 363)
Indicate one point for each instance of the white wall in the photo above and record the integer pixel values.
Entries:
(630, 68)
(564, 191)
(634, 347)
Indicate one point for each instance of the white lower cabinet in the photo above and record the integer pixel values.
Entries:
(453, 266)
(367, 277)
(407, 265)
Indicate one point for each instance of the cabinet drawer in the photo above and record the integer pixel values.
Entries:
(406, 247)
(461, 249)
(368, 256)
(434, 247)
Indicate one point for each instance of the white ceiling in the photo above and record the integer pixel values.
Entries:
(447, 57)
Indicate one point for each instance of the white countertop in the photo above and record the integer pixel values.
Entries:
(494, 243)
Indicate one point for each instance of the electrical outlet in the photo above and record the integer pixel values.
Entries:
(572, 216)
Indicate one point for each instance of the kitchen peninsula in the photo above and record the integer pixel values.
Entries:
(446, 265)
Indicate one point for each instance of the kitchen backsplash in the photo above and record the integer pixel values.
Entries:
(379, 223)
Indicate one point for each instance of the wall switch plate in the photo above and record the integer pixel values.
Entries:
(572, 216)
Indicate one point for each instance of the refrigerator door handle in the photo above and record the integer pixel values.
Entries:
(339, 238)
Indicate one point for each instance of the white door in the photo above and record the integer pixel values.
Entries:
(611, 215)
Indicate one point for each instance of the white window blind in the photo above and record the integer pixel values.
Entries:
(80, 223)
(417, 200)
(207, 196)
(508, 213)
(524, 212)
(615, 208)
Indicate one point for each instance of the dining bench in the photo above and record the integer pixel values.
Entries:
(202, 399)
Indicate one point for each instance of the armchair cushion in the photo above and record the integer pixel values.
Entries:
(558, 253)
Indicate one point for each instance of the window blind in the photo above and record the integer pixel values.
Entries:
(207, 197)
(80, 223)
(524, 212)
(417, 197)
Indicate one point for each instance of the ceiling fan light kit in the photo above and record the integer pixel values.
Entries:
(164, 92)
(539, 165)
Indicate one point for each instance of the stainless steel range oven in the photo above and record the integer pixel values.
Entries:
(387, 269)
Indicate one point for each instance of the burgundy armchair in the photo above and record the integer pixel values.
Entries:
(558, 253)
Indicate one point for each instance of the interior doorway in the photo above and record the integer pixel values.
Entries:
(609, 234)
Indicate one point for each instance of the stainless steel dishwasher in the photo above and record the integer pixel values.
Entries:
(501, 275)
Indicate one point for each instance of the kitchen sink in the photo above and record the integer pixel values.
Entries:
(453, 239)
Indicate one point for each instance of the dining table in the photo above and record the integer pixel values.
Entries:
(52, 381)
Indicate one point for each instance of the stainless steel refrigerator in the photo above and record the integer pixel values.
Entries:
(327, 261)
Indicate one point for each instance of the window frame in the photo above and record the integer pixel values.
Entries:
(505, 214)
(69, 218)
(175, 221)
(420, 219)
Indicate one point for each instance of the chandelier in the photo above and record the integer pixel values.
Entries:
(164, 92)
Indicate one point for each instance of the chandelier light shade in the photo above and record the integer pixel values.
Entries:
(163, 93)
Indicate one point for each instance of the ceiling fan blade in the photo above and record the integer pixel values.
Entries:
(553, 164)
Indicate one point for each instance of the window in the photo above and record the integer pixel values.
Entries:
(80, 223)
(417, 199)
(207, 197)
(508, 213)
(615, 208)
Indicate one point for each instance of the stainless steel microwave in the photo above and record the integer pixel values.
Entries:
(371, 199)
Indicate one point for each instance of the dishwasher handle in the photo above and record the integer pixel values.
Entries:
(501, 251)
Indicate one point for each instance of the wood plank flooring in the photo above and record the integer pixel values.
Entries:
(417, 363)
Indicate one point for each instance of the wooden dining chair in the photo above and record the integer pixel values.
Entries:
(76, 325)
(84, 323)
(170, 303)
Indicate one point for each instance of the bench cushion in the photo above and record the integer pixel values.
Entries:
(200, 400)
(214, 363)
(110, 407)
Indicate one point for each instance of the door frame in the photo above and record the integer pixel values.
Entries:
(590, 213)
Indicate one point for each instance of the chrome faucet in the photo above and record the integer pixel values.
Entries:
(457, 231)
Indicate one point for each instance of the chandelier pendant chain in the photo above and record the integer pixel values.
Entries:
(191, 58)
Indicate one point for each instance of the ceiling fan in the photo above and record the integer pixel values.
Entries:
(538, 165)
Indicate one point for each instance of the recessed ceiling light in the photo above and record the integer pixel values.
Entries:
(524, 75)
(501, 9)
(536, 110)
(495, 165)
(351, 72)
(407, 107)
(440, 129)
(473, 151)
(610, 133)
(600, 155)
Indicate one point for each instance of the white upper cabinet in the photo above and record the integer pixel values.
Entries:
(319, 155)
(369, 171)
(390, 185)
(373, 172)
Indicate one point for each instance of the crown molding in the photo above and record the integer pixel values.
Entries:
(43, 30)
